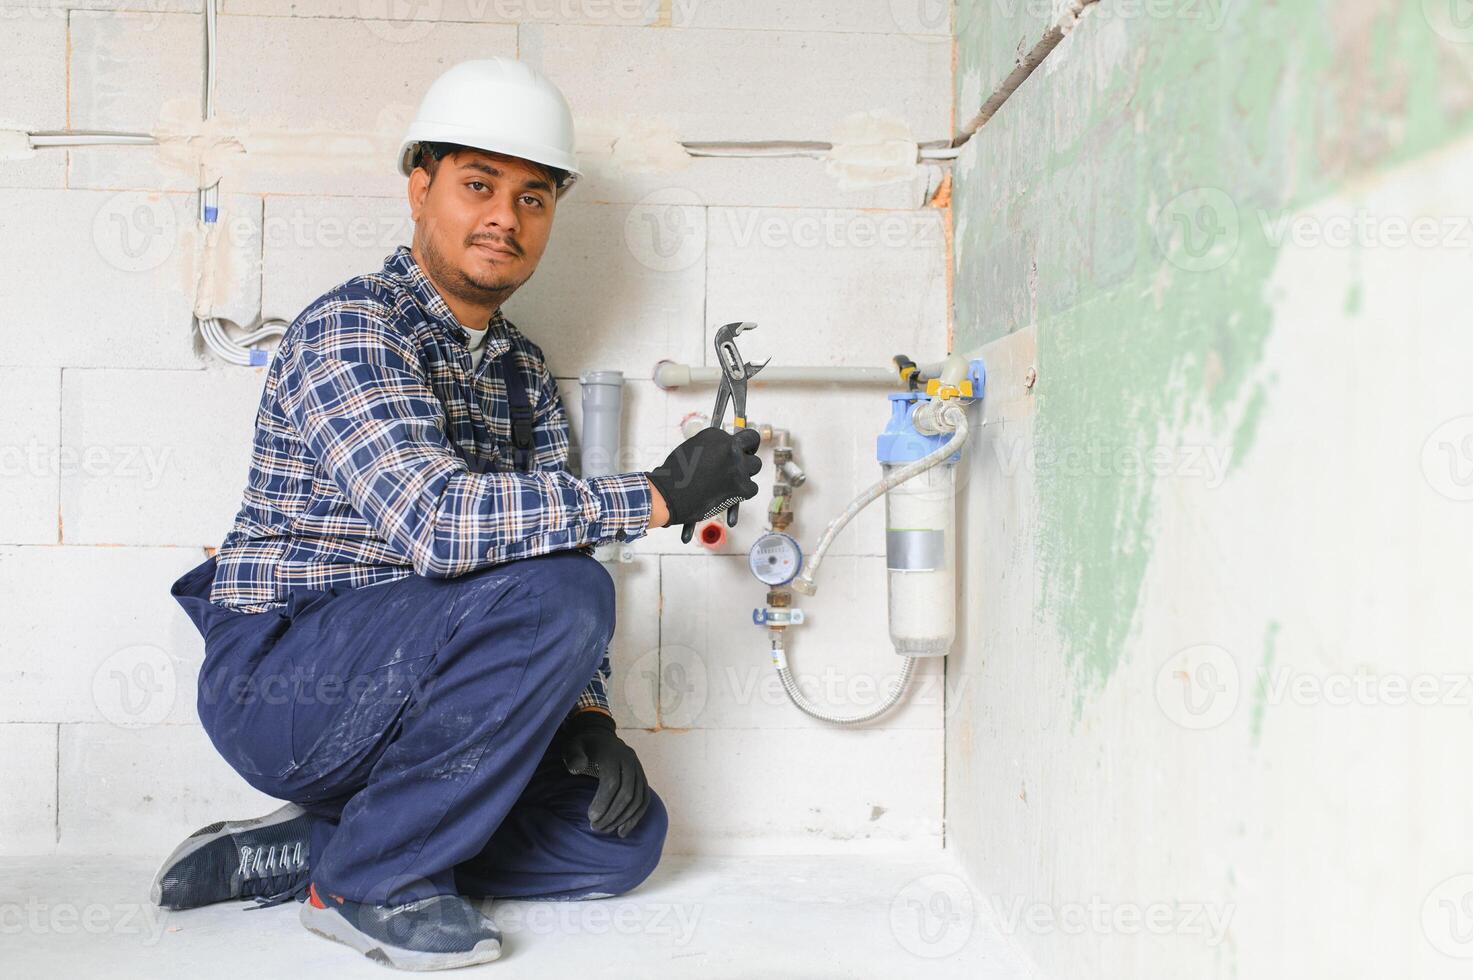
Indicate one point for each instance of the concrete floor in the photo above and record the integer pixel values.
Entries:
(708, 917)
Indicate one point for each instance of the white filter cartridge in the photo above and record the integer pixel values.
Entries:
(919, 552)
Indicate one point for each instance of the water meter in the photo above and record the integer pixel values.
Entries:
(775, 559)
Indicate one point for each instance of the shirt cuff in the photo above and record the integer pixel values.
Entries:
(624, 503)
(584, 719)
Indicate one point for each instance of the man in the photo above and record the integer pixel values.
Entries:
(405, 630)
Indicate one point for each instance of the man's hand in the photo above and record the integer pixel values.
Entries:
(706, 474)
(590, 748)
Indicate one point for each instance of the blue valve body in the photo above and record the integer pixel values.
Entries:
(900, 442)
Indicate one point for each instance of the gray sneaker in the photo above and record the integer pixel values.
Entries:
(266, 858)
(438, 933)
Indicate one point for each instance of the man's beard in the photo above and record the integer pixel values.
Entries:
(470, 288)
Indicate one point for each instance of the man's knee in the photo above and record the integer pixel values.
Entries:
(577, 597)
(571, 579)
(641, 849)
(575, 593)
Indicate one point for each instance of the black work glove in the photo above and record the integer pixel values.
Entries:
(708, 473)
(590, 748)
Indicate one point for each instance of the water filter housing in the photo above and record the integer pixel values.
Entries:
(920, 519)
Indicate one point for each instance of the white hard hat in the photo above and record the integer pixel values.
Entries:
(500, 105)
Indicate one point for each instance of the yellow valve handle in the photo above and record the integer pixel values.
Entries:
(962, 389)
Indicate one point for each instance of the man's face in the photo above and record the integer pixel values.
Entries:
(482, 223)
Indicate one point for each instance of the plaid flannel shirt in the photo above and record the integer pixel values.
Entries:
(379, 453)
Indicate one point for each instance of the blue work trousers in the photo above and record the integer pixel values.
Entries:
(417, 720)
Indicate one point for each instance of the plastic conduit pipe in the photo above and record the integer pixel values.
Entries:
(603, 408)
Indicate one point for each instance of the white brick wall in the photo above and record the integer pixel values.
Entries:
(28, 818)
(861, 16)
(60, 8)
(33, 90)
(132, 71)
(293, 80)
(143, 785)
(424, 21)
(837, 286)
(774, 791)
(30, 412)
(314, 243)
(606, 297)
(123, 446)
(718, 84)
(96, 279)
(87, 638)
(163, 454)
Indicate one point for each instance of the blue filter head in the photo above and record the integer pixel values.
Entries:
(900, 442)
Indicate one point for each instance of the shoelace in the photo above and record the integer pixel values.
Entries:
(274, 875)
(297, 892)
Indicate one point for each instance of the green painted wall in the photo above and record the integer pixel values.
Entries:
(1123, 203)
(991, 38)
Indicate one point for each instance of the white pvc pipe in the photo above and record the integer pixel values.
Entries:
(90, 139)
(209, 59)
(940, 152)
(671, 374)
(800, 148)
(757, 148)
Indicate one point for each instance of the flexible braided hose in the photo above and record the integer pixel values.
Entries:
(790, 684)
(951, 416)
